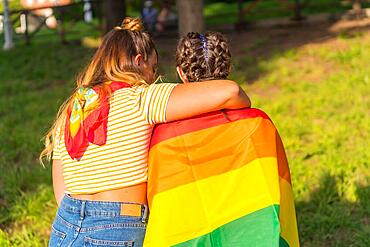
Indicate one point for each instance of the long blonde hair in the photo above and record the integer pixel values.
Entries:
(113, 61)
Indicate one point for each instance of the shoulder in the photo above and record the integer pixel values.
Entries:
(158, 87)
(125, 94)
(129, 90)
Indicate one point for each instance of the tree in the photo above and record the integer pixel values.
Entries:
(114, 11)
(190, 16)
(297, 10)
(356, 5)
(7, 28)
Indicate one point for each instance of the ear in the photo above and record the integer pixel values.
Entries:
(181, 74)
(138, 59)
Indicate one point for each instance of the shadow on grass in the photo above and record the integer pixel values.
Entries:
(258, 44)
(327, 219)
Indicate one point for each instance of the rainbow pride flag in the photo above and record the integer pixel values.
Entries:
(220, 179)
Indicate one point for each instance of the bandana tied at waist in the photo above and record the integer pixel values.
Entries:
(87, 118)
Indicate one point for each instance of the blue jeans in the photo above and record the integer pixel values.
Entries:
(96, 223)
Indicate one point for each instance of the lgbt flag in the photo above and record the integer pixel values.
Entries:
(220, 179)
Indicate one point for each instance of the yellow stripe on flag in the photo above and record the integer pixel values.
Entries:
(288, 223)
(197, 208)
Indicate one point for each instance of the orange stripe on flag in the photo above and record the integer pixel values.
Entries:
(225, 150)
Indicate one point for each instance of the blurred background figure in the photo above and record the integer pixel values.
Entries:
(44, 13)
(1, 23)
(156, 21)
(88, 15)
(166, 16)
(149, 15)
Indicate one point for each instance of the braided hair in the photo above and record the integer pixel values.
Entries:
(204, 56)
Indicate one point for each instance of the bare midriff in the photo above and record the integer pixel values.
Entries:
(133, 194)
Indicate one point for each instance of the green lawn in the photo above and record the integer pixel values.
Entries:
(317, 95)
(222, 12)
(226, 12)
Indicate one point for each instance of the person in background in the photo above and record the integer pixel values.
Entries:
(44, 13)
(149, 16)
(165, 14)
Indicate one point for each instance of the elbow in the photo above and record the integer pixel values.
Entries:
(237, 97)
(234, 91)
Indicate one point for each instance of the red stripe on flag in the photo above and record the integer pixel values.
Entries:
(169, 130)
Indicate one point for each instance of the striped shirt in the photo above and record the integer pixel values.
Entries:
(123, 160)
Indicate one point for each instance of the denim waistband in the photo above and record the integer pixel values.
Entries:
(97, 208)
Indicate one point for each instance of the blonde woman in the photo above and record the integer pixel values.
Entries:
(100, 139)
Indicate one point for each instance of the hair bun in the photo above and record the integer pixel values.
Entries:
(131, 24)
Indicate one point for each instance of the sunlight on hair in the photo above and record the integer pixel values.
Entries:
(90, 42)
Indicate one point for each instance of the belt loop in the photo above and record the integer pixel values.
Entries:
(145, 214)
(82, 211)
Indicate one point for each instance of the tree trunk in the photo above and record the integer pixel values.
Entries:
(357, 10)
(190, 16)
(114, 11)
(356, 6)
(240, 11)
(297, 11)
(8, 29)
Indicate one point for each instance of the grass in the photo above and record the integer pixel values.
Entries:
(225, 12)
(13, 5)
(317, 95)
(222, 12)
(33, 81)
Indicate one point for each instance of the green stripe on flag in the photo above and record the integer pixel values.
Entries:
(283, 243)
(260, 228)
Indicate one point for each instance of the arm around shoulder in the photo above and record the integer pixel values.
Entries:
(191, 99)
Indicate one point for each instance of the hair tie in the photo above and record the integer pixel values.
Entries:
(118, 28)
(204, 45)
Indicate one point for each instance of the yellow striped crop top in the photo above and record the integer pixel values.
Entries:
(122, 161)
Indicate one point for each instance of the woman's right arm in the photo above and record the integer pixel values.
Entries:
(58, 181)
(191, 99)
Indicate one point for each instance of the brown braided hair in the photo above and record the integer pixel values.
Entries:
(204, 57)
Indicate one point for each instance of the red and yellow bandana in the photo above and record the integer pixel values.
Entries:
(87, 118)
